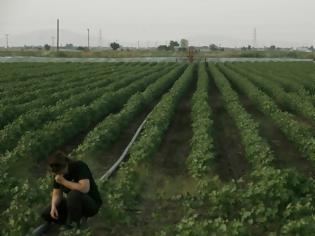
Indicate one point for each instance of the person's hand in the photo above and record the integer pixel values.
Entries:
(59, 179)
(54, 212)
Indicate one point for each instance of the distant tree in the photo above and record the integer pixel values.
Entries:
(114, 46)
(272, 47)
(47, 47)
(184, 43)
(82, 48)
(173, 44)
(246, 48)
(312, 48)
(163, 48)
(213, 47)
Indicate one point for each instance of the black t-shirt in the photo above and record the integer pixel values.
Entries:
(78, 170)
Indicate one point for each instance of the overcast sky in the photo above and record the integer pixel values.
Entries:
(225, 22)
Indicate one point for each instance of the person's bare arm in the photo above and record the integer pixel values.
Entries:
(55, 200)
(83, 185)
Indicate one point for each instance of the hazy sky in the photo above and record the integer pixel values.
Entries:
(225, 22)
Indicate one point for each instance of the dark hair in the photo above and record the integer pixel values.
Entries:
(58, 161)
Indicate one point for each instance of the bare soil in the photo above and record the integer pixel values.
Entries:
(105, 159)
(168, 174)
(230, 158)
(286, 155)
(166, 177)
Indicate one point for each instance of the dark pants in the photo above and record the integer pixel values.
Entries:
(72, 209)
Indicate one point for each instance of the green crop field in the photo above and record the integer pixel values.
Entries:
(227, 148)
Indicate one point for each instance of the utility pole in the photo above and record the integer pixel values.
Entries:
(138, 44)
(57, 35)
(7, 40)
(88, 30)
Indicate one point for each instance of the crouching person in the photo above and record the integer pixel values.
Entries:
(75, 179)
